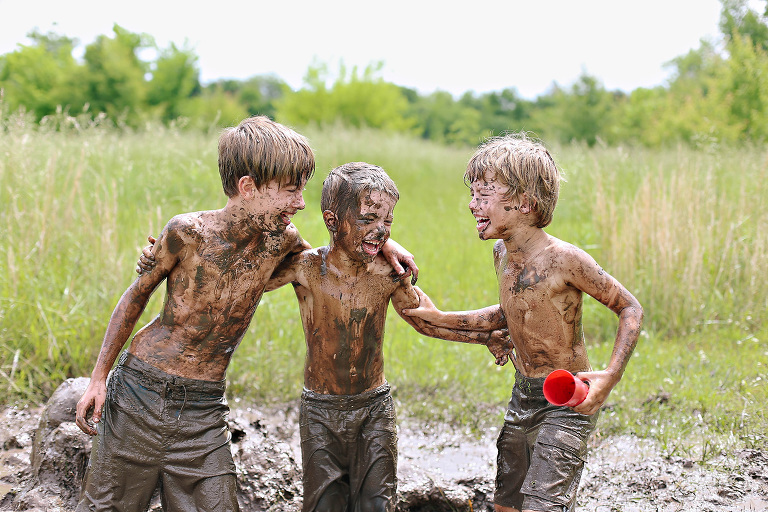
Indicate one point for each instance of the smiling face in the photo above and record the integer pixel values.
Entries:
(275, 203)
(364, 228)
(493, 210)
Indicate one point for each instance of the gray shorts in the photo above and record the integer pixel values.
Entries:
(160, 429)
(541, 451)
(349, 451)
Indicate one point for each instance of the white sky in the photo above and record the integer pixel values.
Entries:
(479, 45)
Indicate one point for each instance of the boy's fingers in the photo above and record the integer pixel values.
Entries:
(151, 239)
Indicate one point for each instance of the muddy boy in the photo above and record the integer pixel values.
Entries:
(515, 184)
(347, 418)
(160, 417)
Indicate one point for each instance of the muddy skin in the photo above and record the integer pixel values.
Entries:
(343, 295)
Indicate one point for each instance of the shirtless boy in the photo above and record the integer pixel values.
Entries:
(347, 417)
(161, 415)
(515, 183)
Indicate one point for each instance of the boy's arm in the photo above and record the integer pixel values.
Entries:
(588, 277)
(286, 271)
(397, 256)
(485, 319)
(497, 340)
(121, 324)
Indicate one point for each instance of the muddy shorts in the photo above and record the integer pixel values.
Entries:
(159, 429)
(541, 451)
(349, 451)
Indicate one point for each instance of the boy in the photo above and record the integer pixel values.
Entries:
(515, 183)
(347, 416)
(164, 407)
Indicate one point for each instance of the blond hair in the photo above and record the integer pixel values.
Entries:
(525, 166)
(264, 150)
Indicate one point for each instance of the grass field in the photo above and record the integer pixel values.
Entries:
(686, 231)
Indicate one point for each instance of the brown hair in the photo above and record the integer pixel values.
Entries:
(346, 184)
(525, 166)
(264, 150)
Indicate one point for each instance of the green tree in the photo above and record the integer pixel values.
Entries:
(175, 78)
(42, 76)
(114, 74)
(356, 99)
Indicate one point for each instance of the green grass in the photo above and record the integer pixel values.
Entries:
(686, 231)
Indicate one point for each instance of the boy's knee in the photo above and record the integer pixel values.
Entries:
(333, 499)
(376, 504)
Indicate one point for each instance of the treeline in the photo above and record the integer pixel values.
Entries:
(718, 93)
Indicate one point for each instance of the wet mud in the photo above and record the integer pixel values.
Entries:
(440, 467)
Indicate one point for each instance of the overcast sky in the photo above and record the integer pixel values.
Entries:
(478, 45)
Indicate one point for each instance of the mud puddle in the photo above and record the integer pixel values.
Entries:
(440, 468)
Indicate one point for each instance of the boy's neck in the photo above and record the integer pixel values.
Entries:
(526, 243)
(237, 221)
(344, 262)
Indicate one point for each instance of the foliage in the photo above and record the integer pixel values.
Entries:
(686, 230)
(717, 94)
(355, 99)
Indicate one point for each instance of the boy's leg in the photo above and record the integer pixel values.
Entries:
(198, 471)
(323, 457)
(123, 470)
(374, 471)
(557, 461)
(541, 451)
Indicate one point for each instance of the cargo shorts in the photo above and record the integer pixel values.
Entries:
(541, 451)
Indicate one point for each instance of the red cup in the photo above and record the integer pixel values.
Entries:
(561, 387)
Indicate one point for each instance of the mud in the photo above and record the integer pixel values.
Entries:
(440, 467)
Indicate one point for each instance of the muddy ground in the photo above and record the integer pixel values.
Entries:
(441, 468)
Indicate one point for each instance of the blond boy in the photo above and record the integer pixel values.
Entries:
(515, 184)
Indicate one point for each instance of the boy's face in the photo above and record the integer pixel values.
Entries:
(277, 202)
(364, 228)
(492, 209)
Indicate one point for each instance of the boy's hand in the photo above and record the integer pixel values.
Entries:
(93, 398)
(600, 386)
(146, 260)
(397, 256)
(426, 310)
(500, 345)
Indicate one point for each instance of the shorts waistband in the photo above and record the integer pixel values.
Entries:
(346, 402)
(158, 380)
(529, 383)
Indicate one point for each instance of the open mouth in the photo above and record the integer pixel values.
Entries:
(482, 223)
(285, 217)
(372, 247)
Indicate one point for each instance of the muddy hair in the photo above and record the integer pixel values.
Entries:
(346, 185)
(525, 166)
(264, 150)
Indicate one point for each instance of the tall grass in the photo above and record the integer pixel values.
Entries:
(684, 230)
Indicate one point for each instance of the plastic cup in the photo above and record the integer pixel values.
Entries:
(561, 387)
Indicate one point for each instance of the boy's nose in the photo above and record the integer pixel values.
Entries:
(299, 203)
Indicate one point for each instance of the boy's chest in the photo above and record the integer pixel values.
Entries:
(216, 265)
(367, 292)
(529, 292)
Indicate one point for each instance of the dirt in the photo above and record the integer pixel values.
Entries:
(440, 467)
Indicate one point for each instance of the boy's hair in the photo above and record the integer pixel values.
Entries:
(346, 184)
(525, 166)
(264, 150)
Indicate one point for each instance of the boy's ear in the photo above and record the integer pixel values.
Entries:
(331, 221)
(246, 187)
(526, 205)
